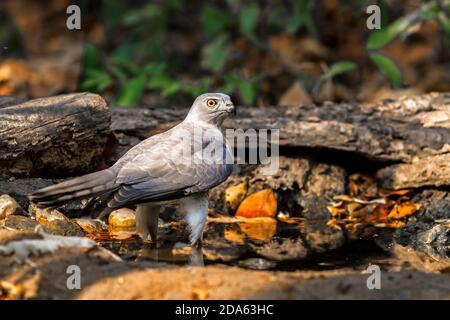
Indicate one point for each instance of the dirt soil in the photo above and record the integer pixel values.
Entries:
(44, 276)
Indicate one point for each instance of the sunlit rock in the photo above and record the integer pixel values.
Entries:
(122, 219)
(8, 206)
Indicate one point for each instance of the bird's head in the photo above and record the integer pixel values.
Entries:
(211, 108)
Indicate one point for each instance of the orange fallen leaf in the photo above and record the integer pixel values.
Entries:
(260, 204)
(403, 210)
(401, 192)
(259, 229)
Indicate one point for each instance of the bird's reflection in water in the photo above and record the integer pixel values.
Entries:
(190, 256)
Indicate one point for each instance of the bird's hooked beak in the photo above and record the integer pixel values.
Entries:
(230, 108)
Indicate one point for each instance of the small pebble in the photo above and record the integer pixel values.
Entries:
(55, 222)
(257, 264)
(122, 218)
(8, 206)
(91, 225)
(20, 223)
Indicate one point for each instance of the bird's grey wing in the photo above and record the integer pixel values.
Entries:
(161, 170)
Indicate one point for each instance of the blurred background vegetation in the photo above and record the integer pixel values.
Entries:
(160, 53)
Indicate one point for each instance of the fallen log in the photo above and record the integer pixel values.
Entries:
(56, 136)
(397, 130)
(388, 132)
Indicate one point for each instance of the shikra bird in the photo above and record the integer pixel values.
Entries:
(179, 165)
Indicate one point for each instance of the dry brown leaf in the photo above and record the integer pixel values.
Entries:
(295, 95)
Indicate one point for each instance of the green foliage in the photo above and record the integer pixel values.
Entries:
(302, 16)
(380, 38)
(130, 94)
(214, 54)
(338, 68)
(431, 10)
(148, 27)
(144, 61)
(214, 20)
(247, 89)
(248, 19)
(388, 68)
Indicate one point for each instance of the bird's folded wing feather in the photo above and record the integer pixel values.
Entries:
(160, 169)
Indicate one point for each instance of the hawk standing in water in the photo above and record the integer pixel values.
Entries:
(179, 165)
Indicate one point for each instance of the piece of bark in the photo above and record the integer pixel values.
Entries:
(397, 130)
(427, 171)
(56, 136)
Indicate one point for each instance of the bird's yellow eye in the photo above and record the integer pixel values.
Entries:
(211, 103)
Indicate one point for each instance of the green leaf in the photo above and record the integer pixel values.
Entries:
(159, 81)
(92, 59)
(130, 95)
(215, 54)
(172, 88)
(230, 82)
(301, 10)
(339, 68)
(96, 81)
(276, 17)
(127, 65)
(155, 68)
(444, 21)
(214, 20)
(113, 11)
(248, 19)
(247, 91)
(388, 68)
(380, 38)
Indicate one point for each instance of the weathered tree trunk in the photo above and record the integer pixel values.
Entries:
(56, 136)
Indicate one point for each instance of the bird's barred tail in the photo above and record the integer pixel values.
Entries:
(90, 185)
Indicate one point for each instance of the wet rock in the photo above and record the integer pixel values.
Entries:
(20, 223)
(283, 250)
(327, 239)
(19, 188)
(122, 219)
(429, 232)
(91, 225)
(23, 249)
(259, 204)
(55, 222)
(8, 206)
(216, 250)
(257, 264)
